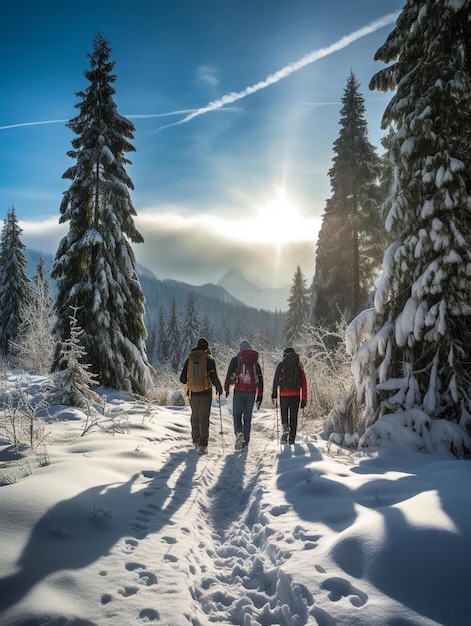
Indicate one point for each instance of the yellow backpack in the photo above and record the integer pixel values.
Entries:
(197, 378)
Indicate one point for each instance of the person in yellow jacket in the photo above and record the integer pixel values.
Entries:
(199, 375)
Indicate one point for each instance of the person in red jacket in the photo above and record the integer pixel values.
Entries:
(290, 382)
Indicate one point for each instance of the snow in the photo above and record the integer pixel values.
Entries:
(128, 525)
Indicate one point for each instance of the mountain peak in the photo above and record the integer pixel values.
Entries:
(270, 299)
(234, 273)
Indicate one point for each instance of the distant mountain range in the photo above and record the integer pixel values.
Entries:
(268, 298)
(232, 288)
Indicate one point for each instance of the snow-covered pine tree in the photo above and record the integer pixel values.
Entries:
(351, 240)
(74, 381)
(413, 350)
(191, 325)
(35, 344)
(174, 337)
(14, 282)
(298, 309)
(162, 348)
(95, 265)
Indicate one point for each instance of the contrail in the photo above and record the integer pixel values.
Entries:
(137, 116)
(289, 69)
(32, 124)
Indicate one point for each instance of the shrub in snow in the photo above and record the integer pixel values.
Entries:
(415, 429)
(177, 398)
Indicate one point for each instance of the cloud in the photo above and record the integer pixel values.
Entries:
(207, 75)
(289, 69)
(43, 235)
(200, 248)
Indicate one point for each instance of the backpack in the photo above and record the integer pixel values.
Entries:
(246, 376)
(290, 373)
(197, 378)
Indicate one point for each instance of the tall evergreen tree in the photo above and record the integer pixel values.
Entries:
(418, 347)
(350, 242)
(95, 266)
(162, 338)
(14, 282)
(191, 325)
(298, 309)
(174, 337)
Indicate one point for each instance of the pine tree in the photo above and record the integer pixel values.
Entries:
(418, 337)
(95, 266)
(14, 282)
(74, 381)
(162, 338)
(35, 344)
(191, 325)
(174, 337)
(298, 309)
(350, 242)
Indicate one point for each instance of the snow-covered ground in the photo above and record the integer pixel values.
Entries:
(128, 525)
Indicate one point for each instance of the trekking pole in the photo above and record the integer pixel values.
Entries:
(277, 421)
(220, 421)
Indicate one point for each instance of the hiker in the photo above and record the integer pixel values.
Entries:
(290, 379)
(199, 375)
(245, 374)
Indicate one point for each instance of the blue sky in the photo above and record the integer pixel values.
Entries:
(241, 184)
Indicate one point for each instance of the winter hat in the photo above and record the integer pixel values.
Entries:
(288, 351)
(245, 345)
(202, 344)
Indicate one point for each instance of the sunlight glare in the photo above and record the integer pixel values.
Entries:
(278, 220)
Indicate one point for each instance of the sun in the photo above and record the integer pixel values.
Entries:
(278, 220)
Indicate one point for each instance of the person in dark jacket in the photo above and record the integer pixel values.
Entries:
(245, 374)
(200, 392)
(290, 382)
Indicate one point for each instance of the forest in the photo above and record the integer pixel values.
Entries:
(382, 327)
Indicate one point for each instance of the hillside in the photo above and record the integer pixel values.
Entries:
(268, 298)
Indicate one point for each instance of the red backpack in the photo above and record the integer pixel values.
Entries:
(246, 376)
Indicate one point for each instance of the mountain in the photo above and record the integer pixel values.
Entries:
(268, 298)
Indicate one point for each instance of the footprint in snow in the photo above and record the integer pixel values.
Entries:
(281, 509)
(126, 592)
(171, 558)
(133, 566)
(130, 545)
(149, 615)
(169, 539)
(148, 578)
(341, 588)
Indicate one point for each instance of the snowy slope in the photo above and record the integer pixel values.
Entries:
(271, 299)
(127, 525)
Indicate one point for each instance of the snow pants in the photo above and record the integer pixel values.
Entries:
(289, 408)
(242, 409)
(200, 404)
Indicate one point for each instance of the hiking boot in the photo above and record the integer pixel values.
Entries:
(240, 441)
(202, 450)
(284, 435)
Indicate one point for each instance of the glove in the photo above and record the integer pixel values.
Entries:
(259, 401)
(303, 403)
(219, 391)
(227, 392)
(273, 397)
